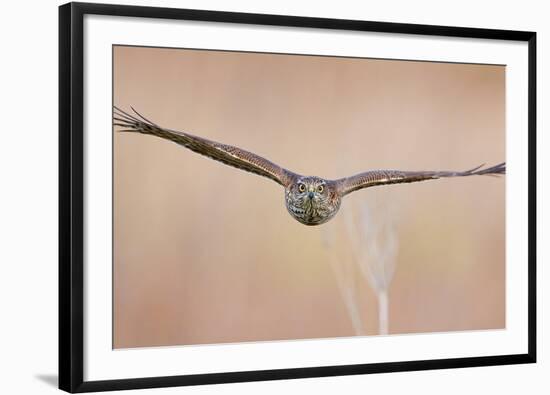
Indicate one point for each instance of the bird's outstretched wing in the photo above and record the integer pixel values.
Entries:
(224, 153)
(384, 177)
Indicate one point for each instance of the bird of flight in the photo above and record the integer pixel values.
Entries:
(310, 200)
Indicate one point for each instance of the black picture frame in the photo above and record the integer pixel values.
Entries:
(71, 195)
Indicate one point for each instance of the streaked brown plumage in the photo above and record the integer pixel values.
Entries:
(310, 200)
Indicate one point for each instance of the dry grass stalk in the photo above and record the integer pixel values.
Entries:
(372, 240)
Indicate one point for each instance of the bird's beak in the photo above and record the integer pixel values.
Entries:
(310, 195)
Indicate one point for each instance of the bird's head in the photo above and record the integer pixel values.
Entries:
(312, 200)
(312, 190)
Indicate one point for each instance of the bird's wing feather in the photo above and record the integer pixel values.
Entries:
(224, 153)
(384, 177)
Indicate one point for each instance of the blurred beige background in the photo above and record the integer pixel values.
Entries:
(205, 253)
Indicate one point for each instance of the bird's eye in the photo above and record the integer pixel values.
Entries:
(301, 187)
(320, 188)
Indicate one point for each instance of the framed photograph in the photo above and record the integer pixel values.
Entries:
(251, 197)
